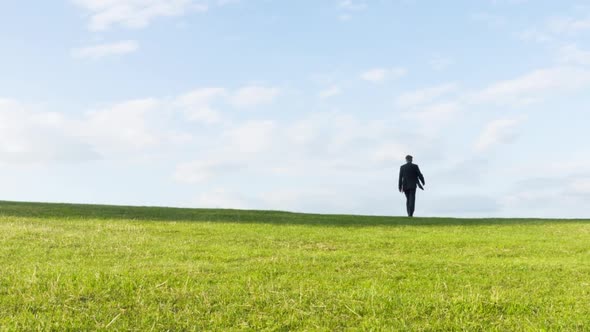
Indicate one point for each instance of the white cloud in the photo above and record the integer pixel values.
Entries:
(491, 20)
(440, 62)
(422, 96)
(130, 129)
(435, 116)
(135, 13)
(202, 96)
(330, 92)
(453, 204)
(536, 35)
(222, 198)
(341, 144)
(397, 72)
(302, 132)
(555, 29)
(332, 133)
(352, 5)
(545, 203)
(389, 153)
(433, 110)
(376, 75)
(344, 17)
(31, 135)
(204, 114)
(533, 169)
(238, 148)
(103, 50)
(549, 189)
(581, 186)
(121, 127)
(227, 2)
(571, 54)
(568, 25)
(200, 171)
(498, 132)
(528, 88)
(319, 199)
(324, 144)
(252, 136)
(321, 148)
(532, 87)
(251, 96)
(348, 7)
(508, 2)
(196, 104)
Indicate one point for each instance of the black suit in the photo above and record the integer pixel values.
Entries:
(410, 178)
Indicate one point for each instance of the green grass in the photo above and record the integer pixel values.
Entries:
(88, 267)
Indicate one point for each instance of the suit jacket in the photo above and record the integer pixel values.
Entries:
(409, 177)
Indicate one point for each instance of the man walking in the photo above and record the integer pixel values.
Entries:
(410, 178)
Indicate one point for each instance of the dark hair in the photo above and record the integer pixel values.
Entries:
(408, 157)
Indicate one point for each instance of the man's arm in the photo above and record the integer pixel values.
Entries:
(399, 185)
(420, 176)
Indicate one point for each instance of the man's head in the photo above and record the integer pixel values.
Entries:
(409, 159)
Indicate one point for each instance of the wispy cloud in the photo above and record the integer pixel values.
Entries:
(125, 126)
(433, 117)
(536, 35)
(352, 5)
(254, 95)
(30, 135)
(252, 136)
(105, 50)
(330, 92)
(554, 29)
(222, 198)
(197, 104)
(202, 105)
(491, 20)
(34, 135)
(135, 14)
(508, 2)
(137, 127)
(439, 62)
(498, 132)
(201, 171)
(376, 75)
(568, 24)
(531, 87)
(572, 54)
(581, 186)
(227, 2)
(423, 96)
(348, 7)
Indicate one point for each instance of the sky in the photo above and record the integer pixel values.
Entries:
(307, 106)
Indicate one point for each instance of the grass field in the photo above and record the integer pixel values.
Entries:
(84, 267)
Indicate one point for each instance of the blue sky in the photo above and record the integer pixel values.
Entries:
(298, 105)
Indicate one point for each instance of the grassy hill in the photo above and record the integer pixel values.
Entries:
(88, 267)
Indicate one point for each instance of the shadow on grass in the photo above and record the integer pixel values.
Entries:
(86, 211)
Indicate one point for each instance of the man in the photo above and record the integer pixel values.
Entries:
(410, 177)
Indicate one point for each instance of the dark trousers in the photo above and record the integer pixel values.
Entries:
(410, 201)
